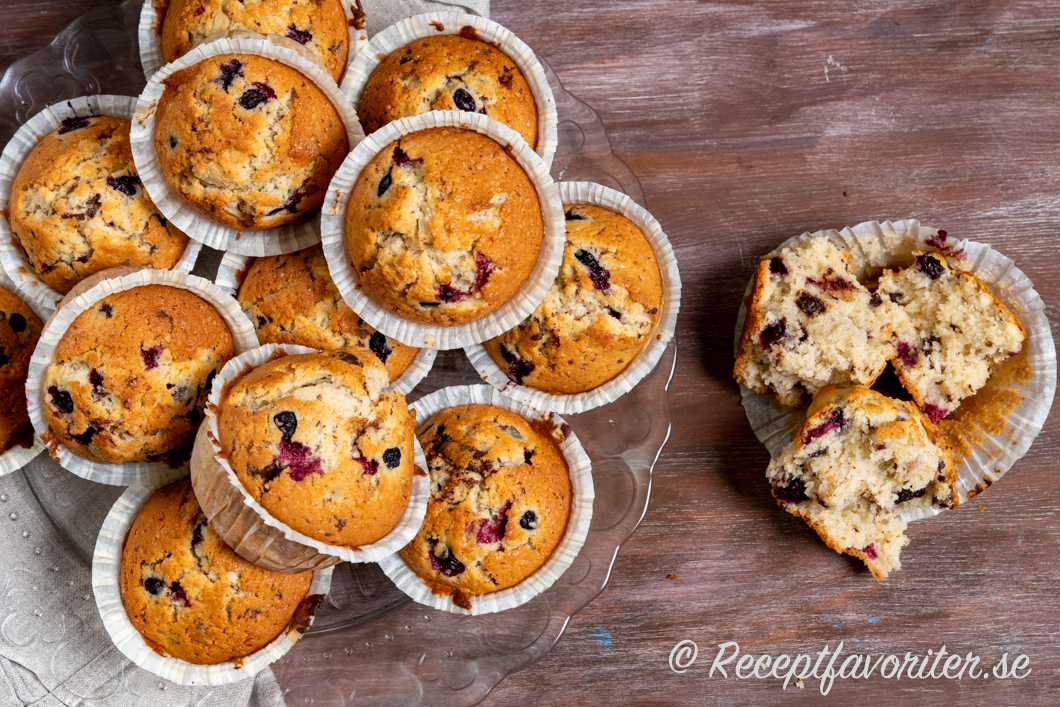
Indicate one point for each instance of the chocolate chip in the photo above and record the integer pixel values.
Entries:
(377, 344)
(347, 357)
(18, 322)
(384, 184)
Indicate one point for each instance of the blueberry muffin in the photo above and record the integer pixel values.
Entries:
(129, 378)
(318, 25)
(810, 323)
(857, 463)
(20, 328)
(250, 141)
(952, 332)
(449, 72)
(77, 206)
(600, 313)
(191, 597)
(319, 444)
(443, 226)
(292, 300)
(500, 500)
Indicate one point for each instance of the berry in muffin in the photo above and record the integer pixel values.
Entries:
(857, 463)
(190, 596)
(129, 378)
(500, 501)
(20, 328)
(250, 141)
(443, 226)
(810, 323)
(952, 332)
(319, 444)
(599, 314)
(77, 206)
(318, 25)
(448, 72)
(292, 300)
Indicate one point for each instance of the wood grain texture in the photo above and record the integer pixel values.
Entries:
(748, 123)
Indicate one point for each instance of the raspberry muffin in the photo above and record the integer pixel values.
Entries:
(20, 328)
(500, 500)
(77, 206)
(129, 378)
(448, 72)
(600, 313)
(250, 141)
(858, 461)
(190, 596)
(292, 300)
(318, 25)
(443, 226)
(810, 323)
(952, 332)
(319, 444)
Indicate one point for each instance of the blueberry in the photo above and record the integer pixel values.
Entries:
(484, 267)
(61, 400)
(271, 471)
(172, 142)
(385, 183)
(447, 564)
(401, 158)
(178, 596)
(929, 266)
(18, 322)
(230, 71)
(208, 383)
(810, 304)
(261, 94)
(74, 123)
(772, 334)
(528, 521)
(378, 345)
(370, 466)
(85, 437)
(95, 379)
(464, 100)
(196, 534)
(154, 585)
(614, 313)
(517, 367)
(392, 458)
(106, 310)
(150, 356)
(835, 422)
(126, 184)
(793, 492)
(449, 294)
(347, 357)
(909, 494)
(287, 421)
(600, 276)
(263, 320)
(870, 551)
(906, 353)
(3, 358)
(291, 205)
(875, 300)
(528, 454)
(934, 412)
(299, 35)
(571, 216)
(895, 297)
(776, 266)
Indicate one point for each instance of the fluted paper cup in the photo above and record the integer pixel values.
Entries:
(647, 359)
(431, 24)
(106, 569)
(436, 336)
(581, 514)
(985, 454)
(233, 269)
(251, 530)
(37, 294)
(83, 297)
(189, 218)
(17, 457)
(149, 34)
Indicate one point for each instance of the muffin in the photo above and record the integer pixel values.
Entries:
(77, 206)
(318, 25)
(129, 378)
(810, 323)
(448, 72)
(443, 226)
(952, 332)
(500, 500)
(292, 300)
(250, 141)
(20, 328)
(600, 313)
(190, 596)
(857, 463)
(319, 444)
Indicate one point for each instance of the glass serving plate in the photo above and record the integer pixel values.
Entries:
(370, 643)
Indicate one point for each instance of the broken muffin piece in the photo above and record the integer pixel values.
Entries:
(857, 463)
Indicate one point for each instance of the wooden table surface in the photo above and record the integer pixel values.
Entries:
(747, 123)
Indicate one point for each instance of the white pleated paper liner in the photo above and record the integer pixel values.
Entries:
(647, 359)
(402, 33)
(189, 218)
(17, 457)
(81, 299)
(149, 34)
(436, 336)
(229, 275)
(32, 289)
(873, 245)
(106, 568)
(264, 539)
(581, 513)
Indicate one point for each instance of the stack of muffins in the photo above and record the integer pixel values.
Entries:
(350, 262)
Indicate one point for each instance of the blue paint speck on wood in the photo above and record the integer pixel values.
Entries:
(874, 621)
(603, 638)
(986, 42)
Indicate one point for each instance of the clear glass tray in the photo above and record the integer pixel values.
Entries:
(370, 643)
